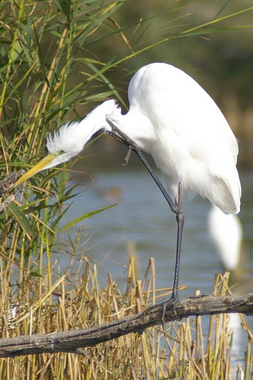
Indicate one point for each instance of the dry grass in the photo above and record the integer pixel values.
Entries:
(76, 301)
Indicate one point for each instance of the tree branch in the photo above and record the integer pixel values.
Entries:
(72, 341)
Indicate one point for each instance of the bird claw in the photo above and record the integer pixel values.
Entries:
(128, 155)
(173, 301)
(121, 136)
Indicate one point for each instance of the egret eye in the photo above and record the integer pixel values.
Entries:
(62, 151)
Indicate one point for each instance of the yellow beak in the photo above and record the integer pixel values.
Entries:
(37, 168)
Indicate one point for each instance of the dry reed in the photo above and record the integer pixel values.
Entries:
(186, 351)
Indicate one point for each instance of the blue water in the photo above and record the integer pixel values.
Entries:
(143, 217)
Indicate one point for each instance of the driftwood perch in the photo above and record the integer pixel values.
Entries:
(74, 341)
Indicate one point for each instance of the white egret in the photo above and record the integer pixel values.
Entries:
(173, 119)
(226, 233)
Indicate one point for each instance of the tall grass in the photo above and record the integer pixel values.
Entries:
(49, 76)
(186, 351)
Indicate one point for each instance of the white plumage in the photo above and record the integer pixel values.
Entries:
(226, 233)
(177, 122)
(172, 118)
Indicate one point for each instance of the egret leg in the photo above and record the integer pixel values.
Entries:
(176, 207)
(124, 139)
(180, 226)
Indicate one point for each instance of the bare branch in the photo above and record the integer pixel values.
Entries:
(74, 341)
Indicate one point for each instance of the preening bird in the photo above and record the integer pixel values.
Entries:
(226, 233)
(172, 118)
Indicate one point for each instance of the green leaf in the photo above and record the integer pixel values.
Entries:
(56, 221)
(85, 216)
(22, 220)
(35, 274)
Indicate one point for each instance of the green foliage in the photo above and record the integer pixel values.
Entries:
(48, 76)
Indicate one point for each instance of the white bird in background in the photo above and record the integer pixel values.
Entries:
(226, 233)
(173, 119)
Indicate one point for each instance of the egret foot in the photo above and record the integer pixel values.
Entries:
(173, 301)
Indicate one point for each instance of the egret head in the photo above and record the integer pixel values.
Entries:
(71, 138)
(61, 146)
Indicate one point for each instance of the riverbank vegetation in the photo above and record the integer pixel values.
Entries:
(58, 60)
(189, 349)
